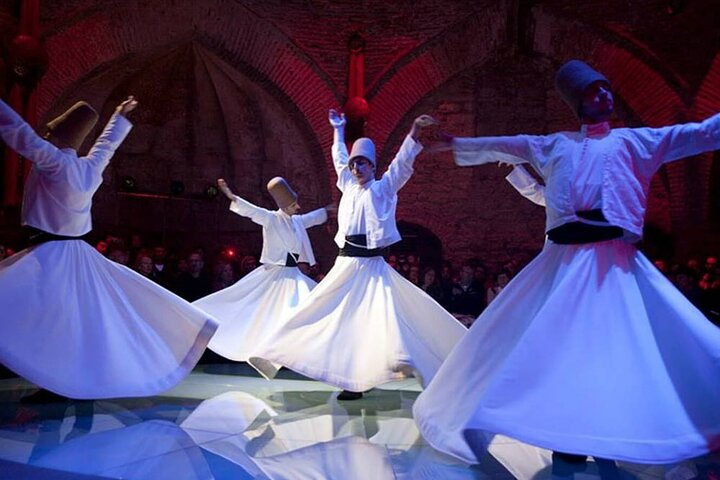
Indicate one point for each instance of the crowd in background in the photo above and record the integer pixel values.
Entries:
(464, 289)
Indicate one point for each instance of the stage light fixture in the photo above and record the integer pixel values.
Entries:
(128, 184)
(210, 191)
(177, 187)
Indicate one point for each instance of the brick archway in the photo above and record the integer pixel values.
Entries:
(654, 96)
(255, 47)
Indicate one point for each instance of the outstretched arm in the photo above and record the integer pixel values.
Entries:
(113, 135)
(401, 168)
(242, 207)
(317, 217)
(339, 149)
(526, 185)
(667, 144)
(511, 150)
(223, 186)
(480, 150)
(20, 136)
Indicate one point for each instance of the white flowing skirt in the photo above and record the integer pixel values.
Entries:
(82, 326)
(363, 325)
(588, 350)
(251, 309)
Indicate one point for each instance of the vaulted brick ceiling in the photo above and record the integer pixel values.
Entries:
(395, 28)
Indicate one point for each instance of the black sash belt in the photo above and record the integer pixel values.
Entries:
(596, 215)
(349, 250)
(291, 261)
(575, 233)
(37, 236)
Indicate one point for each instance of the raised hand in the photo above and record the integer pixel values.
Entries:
(425, 121)
(421, 122)
(336, 120)
(331, 210)
(222, 185)
(127, 106)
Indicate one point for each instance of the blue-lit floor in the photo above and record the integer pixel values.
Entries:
(224, 423)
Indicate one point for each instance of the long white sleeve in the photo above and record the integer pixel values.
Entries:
(526, 185)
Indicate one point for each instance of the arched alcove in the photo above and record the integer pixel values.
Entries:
(418, 240)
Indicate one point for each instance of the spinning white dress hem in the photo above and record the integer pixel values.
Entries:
(250, 310)
(89, 328)
(553, 362)
(362, 326)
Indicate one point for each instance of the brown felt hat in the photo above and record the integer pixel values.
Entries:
(281, 192)
(74, 125)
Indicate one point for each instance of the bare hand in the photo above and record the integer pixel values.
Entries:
(222, 185)
(336, 120)
(127, 106)
(425, 121)
(421, 122)
(331, 209)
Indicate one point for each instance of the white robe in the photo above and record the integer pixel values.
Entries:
(72, 321)
(364, 324)
(588, 350)
(255, 306)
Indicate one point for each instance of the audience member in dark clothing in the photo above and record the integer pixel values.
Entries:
(430, 283)
(161, 273)
(467, 296)
(195, 283)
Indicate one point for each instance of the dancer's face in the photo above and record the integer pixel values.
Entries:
(362, 169)
(597, 103)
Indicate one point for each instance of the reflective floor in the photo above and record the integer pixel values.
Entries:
(223, 422)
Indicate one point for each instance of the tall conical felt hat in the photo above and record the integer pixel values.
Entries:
(281, 192)
(571, 81)
(363, 147)
(74, 125)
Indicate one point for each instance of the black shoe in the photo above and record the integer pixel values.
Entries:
(570, 457)
(568, 464)
(43, 396)
(348, 395)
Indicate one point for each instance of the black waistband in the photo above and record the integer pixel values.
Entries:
(37, 236)
(596, 215)
(291, 261)
(356, 246)
(575, 233)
